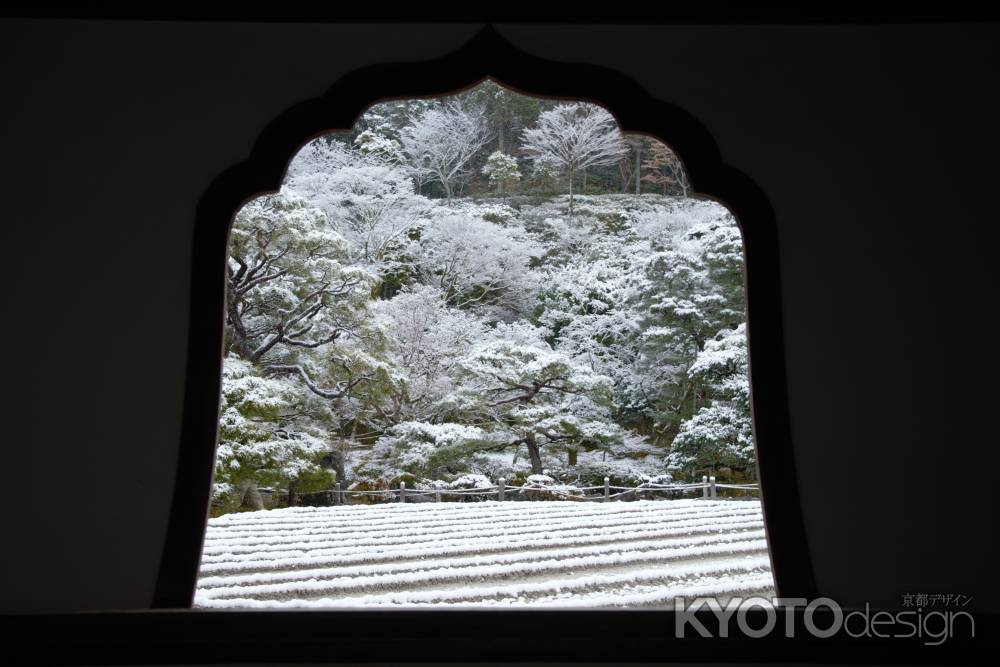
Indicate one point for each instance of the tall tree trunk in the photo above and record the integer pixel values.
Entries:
(638, 179)
(338, 465)
(535, 456)
(571, 174)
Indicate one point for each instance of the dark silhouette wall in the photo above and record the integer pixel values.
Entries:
(876, 145)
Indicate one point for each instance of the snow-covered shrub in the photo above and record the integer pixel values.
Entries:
(372, 143)
(619, 472)
(502, 170)
(501, 465)
(545, 487)
(427, 450)
(258, 443)
(716, 436)
(471, 482)
(500, 214)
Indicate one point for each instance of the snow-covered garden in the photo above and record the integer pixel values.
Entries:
(470, 289)
(540, 554)
(478, 286)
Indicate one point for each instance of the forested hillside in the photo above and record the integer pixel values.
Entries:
(481, 286)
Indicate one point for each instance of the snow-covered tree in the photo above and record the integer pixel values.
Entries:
(591, 306)
(441, 141)
(533, 396)
(376, 145)
(682, 304)
(427, 450)
(720, 433)
(323, 154)
(382, 333)
(370, 202)
(290, 285)
(502, 170)
(389, 118)
(507, 111)
(297, 309)
(477, 263)
(694, 294)
(262, 441)
(723, 367)
(425, 339)
(574, 137)
(721, 246)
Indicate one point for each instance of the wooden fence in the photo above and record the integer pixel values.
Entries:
(501, 491)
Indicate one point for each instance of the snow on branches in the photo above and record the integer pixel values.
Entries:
(442, 140)
(375, 331)
(502, 170)
(572, 137)
(478, 264)
(261, 441)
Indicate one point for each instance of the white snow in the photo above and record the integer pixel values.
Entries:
(556, 553)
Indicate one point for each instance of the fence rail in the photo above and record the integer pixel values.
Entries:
(503, 491)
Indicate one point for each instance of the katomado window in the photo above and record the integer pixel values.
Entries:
(484, 349)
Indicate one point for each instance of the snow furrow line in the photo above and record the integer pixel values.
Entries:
(215, 546)
(350, 555)
(419, 527)
(346, 512)
(479, 559)
(457, 595)
(490, 512)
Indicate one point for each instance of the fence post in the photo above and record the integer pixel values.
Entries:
(607, 489)
(704, 489)
(402, 492)
(338, 495)
(437, 496)
(711, 484)
(501, 484)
